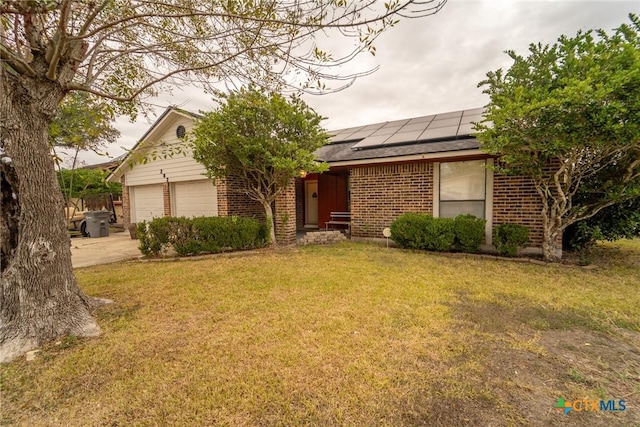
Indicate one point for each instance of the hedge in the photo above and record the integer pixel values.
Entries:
(200, 235)
(423, 231)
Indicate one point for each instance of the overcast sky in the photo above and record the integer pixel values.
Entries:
(429, 65)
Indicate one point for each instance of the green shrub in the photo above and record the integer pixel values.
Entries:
(407, 230)
(469, 232)
(439, 235)
(423, 231)
(205, 234)
(146, 245)
(509, 237)
(160, 234)
(217, 234)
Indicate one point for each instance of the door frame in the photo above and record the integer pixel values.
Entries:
(307, 198)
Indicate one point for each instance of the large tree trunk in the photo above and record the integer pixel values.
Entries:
(550, 233)
(268, 213)
(549, 247)
(39, 296)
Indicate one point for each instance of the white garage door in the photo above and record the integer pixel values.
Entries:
(147, 202)
(195, 198)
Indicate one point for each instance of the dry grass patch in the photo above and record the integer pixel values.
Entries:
(342, 335)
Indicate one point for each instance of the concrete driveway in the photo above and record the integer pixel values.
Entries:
(86, 251)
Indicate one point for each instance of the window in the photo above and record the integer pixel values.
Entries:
(462, 188)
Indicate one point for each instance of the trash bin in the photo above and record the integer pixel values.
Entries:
(97, 223)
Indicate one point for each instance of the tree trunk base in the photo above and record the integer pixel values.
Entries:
(18, 345)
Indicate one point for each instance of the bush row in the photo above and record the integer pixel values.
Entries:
(463, 233)
(189, 236)
(423, 231)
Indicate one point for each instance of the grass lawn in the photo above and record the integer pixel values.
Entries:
(351, 334)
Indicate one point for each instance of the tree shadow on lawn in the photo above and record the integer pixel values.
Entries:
(510, 365)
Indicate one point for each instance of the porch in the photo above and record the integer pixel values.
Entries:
(323, 201)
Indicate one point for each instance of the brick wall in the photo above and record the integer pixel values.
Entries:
(166, 198)
(516, 200)
(233, 201)
(126, 203)
(221, 190)
(285, 215)
(299, 183)
(379, 194)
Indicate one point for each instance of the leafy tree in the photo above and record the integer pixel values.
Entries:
(568, 116)
(263, 141)
(83, 123)
(123, 51)
(87, 182)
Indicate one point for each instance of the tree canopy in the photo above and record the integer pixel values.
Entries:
(124, 51)
(120, 49)
(568, 116)
(83, 123)
(261, 140)
(87, 182)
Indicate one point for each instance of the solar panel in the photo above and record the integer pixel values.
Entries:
(361, 134)
(451, 115)
(465, 129)
(444, 132)
(421, 119)
(402, 137)
(406, 131)
(397, 123)
(372, 141)
(414, 126)
(443, 123)
(473, 112)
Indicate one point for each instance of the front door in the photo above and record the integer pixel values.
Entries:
(311, 203)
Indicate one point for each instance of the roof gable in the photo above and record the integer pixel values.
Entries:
(151, 138)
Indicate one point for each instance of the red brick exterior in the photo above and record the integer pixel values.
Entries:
(233, 201)
(221, 190)
(516, 200)
(285, 215)
(126, 204)
(166, 198)
(379, 194)
(299, 203)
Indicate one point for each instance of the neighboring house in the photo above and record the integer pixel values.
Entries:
(425, 164)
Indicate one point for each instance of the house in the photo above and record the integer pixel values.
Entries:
(425, 164)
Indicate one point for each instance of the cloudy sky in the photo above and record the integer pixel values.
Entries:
(430, 65)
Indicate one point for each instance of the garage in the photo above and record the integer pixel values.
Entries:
(147, 202)
(158, 183)
(195, 198)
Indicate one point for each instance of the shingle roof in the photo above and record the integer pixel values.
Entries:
(420, 135)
